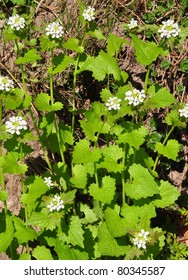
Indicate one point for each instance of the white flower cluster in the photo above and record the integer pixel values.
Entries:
(113, 103)
(56, 204)
(141, 239)
(89, 14)
(15, 125)
(184, 112)
(133, 23)
(16, 22)
(48, 182)
(169, 29)
(135, 96)
(6, 83)
(55, 30)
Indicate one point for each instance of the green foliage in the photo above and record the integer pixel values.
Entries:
(100, 166)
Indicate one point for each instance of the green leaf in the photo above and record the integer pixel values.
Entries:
(147, 52)
(72, 44)
(84, 154)
(65, 252)
(160, 99)
(15, 167)
(106, 192)
(101, 66)
(168, 195)
(133, 134)
(97, 33)
(90, 216)
(143, 183)
(170, 150)
(112, 155)
(68, 197)
(116, 224)
(47, 44)
(7, 236)
(107, 244)
(61, 62)
(79, 179)
(3, 195)
(18, 2)
(23, 233)
(42, 253)
(45, 220)
(114, 44)
(29, 57)
(173, 119)
(42, 103)
(36, 188)
(76, 232)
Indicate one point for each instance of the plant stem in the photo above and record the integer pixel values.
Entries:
(164, 142)
(147, 79)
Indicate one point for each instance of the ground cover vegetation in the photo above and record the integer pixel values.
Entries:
(93, 130)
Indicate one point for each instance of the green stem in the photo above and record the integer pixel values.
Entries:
(123, 172)
(52, 102)
(164, 142)
(147, 79)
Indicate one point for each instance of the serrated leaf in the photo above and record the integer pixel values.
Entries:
(168, 194)
(7, 236)
(143, 183)
(68, 197)
(76, 232)
(47, 44)
(147, 52)
(107, 244)
(170, 150)
(42, 253)
(160, 99)
(101, 66)
(15, 167)
(97, 33)
(84, 154)
(114, 44)
(18, 2)
(45, 220)
(79, 179)
(61, 62)
(90, 216)
(72, 44)
(22, 232)
(65, 252)
(36, 188)
(135, 136)
(112, 154)
(42, 103)
(173, 119)
(116, 224)
(106, 192)
(29, 57)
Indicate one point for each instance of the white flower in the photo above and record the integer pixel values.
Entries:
(113, 103)
(135, 96)
(56, 204)
(48, 181)
(169, 29)
(141, 239)
(6, 83)
(55, 30)
(15, 124)
(132, 24)
(89, 14)
(184, 112)
(16, 22)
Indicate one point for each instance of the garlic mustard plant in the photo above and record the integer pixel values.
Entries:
(6, 83)
(184, 112)
(16, 22)
(169, 29)
(15, 124)
(55, 30)
(113, 103)
(56, 204)
(135, 96)
(133, 23)
(48, 182)
(89, 14)
(141, 239)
